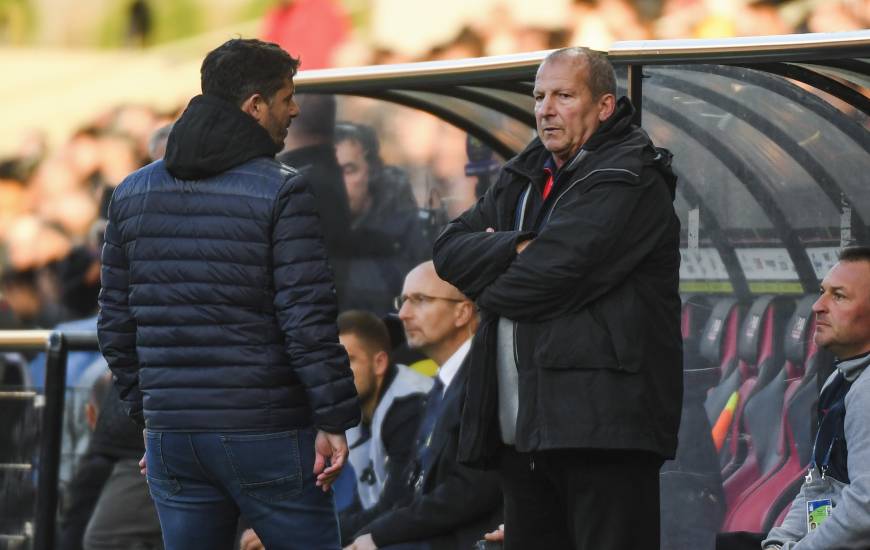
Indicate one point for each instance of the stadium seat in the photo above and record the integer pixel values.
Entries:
(761, 357)
(766, 420)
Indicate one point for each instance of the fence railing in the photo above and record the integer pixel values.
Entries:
(56, 345)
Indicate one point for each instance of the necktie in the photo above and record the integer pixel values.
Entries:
(434, 401)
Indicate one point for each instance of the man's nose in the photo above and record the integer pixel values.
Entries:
(545, 107)
(819, 305)
(404, 311)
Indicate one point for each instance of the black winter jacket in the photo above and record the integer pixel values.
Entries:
(217, 309)
(594, 296)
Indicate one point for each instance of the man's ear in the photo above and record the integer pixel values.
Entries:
(382, 361)
(606, 106)
(464, 313)
(255, 106)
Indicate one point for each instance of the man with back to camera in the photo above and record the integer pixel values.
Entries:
(575, 387)
(217, 318)
(830, 511)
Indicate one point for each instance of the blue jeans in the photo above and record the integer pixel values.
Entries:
(201, 482)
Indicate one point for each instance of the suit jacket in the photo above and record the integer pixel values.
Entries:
(452, 505)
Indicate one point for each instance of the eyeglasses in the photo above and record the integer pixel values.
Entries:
(419, 299)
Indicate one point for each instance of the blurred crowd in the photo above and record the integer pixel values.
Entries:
(598, 24)
(50, 204)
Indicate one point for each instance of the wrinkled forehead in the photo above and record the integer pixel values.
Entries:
(562, 71)
(852, 276)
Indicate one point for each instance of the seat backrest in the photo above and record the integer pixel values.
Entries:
(699, 374)
(718, 345)
(765, 411)
(759, 349)
(760, 345)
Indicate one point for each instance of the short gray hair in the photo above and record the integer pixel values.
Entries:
(602, 79)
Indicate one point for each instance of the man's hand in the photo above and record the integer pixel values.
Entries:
(520, 246)
(362, 542)
(332, 447)
(497, 535)
(143, 466)
(250, 541)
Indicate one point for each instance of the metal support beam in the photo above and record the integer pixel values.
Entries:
(49, 452)
(635, 91)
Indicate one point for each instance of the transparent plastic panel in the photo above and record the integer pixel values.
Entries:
(421, 173)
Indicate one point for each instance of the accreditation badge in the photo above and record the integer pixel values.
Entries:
(817, 512)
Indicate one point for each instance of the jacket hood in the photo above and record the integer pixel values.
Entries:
(212, 136)
(619, 123)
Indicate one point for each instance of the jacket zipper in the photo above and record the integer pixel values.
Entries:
(519, 227)
(575, 182)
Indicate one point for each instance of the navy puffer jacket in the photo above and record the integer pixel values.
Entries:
(217, 309)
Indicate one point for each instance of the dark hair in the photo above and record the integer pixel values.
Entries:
(855, 254)
(368, 140)
(239, 68)
(602, 79)
(367, 327)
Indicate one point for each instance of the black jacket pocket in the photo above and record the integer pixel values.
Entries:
(578, 341)
(604, 335)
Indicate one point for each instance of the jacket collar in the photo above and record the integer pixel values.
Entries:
(529, 162)
(853, 367)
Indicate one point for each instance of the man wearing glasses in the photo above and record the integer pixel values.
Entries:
(448, 505)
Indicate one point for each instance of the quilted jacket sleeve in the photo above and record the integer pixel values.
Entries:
(306, 307)
(116, 327)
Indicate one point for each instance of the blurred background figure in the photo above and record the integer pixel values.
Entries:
(139, 24)
(386, 233)
(310, 148)
(311, 30)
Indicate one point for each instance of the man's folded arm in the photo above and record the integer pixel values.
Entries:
(469, 257)
(592, 242)
(306, 308)
(116, 327)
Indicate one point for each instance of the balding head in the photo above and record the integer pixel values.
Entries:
(425, 279)
(437, 318)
